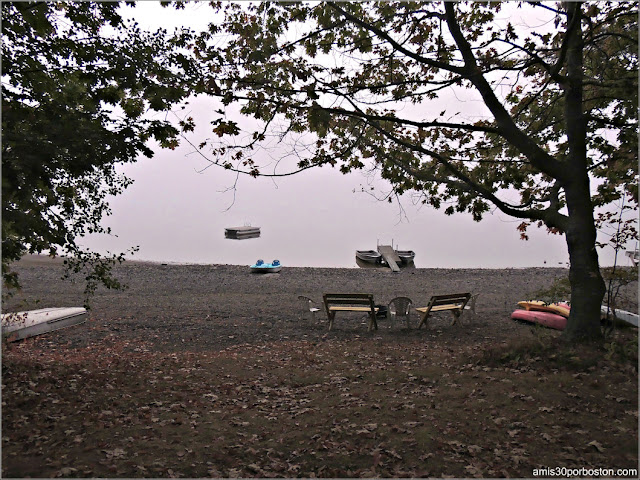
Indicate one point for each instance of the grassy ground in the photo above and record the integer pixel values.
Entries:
(365, 407)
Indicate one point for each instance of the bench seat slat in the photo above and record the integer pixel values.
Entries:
(352, 309)
(438, 308)
(347, 301)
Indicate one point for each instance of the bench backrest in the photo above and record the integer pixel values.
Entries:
(460, 299)
(351, 299)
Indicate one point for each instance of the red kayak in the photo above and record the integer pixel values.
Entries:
(546, 319)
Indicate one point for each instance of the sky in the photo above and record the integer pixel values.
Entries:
(317, 218)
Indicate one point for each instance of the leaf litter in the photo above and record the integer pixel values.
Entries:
(148, 388)
(289, 409)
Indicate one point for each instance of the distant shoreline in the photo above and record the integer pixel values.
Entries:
(39, 259)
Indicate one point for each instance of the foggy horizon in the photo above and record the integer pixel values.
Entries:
(316, 218)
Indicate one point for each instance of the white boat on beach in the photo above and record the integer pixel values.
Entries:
(20, 325)
(621, 316)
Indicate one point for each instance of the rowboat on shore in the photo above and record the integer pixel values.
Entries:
(261, 267)
(20, 325)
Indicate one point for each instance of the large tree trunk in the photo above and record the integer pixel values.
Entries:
(587, 285)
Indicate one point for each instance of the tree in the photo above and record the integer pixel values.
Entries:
(355, 84)
(78, 89)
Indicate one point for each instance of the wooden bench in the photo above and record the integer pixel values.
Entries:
(453, 303)
(350, 302)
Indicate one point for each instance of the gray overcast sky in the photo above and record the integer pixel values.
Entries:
(316, 218)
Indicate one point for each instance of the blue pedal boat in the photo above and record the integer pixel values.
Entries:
(261, 267)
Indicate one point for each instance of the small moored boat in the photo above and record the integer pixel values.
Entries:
(261, 267)
(369, 256)
(241, 233)
(20, 325)
(406, 256)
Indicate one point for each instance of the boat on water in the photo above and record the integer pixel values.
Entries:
(369, 256)
(406, 256)
(21, 325)
(261, 267)
(241, 233)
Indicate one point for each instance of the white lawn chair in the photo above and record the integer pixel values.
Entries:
(308, 306)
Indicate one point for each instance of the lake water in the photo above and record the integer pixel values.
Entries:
(317, 218)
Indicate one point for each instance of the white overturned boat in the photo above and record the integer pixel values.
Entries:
(240, 233)
(621, 316)
(20, 325)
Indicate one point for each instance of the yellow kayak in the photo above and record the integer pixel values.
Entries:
(540, 306)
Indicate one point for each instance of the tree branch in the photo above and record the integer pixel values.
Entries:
(574, 23)
(384, 35)
(508, 129)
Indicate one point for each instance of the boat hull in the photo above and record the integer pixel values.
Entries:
(546, 319)
(369, 256)
(373, 258)
(622, 316)
(406, 256)
(265, 269)
(241, 233)
(261, 267)
(21, 325)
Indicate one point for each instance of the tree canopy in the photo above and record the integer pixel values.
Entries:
(79, 87)
(357, 84)
(551, 137)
